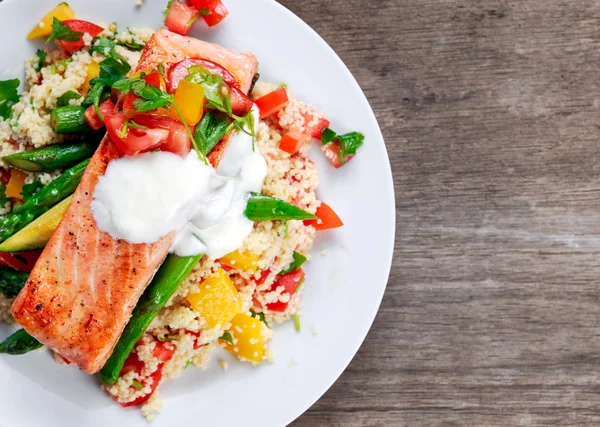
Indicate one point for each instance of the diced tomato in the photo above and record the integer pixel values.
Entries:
(263, 276)
(132, 364)
(79, 26)
(197, 344)
(178, 140)
(135, 140)
(332, 152)
(328, 219)
(155, 378)
(216, 14)
(272, 102)
(240, 103)
(179, 17)
(91, 117)
(216, 10)
(163, 351)
(20, 261)
(292, 141)
(314, 130)
(290, 282)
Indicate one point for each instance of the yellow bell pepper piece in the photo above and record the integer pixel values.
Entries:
(248, 341)
(218, 300)
(245, 261)
(190, 100)
(15, 184)
(93, 71)
(62, 12)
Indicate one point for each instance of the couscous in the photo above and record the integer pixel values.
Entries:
(202, 164)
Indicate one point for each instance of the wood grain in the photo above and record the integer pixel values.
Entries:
(491, 114)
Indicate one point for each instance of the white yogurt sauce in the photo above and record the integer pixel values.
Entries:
(143, 198)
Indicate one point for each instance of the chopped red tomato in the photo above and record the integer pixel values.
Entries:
(133, 140)
(132, 364)
(314, 128)
(272, 102)
(290, 282)
(154, 380)
(332, 152)
(178, 141)
(20, 261)
(163, 351)
(153, 79)
(93, 119)
(240, 103)
(79, 26)
(180, 17)
(292, 141)
(263, 277)
(197, 344)
(216, 14)
(327, 218)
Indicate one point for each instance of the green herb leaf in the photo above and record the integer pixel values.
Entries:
(227, 337)
(3, 199)
(102, 45)
(95, 93)
(66, 97)
(112, 69)
(60, 31)
(260, 316)
(212, 128)
(166, 11)
(42, 55)
(297, 262)
(349, 143)
(9, 96)
(327, 135)
(30, 190)
(204, 12)
(213, 86)
(137, 385)
(166, 338)
(188, 364)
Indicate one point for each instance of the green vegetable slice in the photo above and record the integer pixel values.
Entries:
(11, 282)
(266, 208)
(19, 343)
(52, 157)
(69, 119)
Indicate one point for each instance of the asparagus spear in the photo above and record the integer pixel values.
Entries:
(265, 208)
(11, 282)
(69, 119)
(38, 204)
(167, 279)
(19, 343)
(49, 158)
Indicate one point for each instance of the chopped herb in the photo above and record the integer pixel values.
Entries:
(137, 385)
(131, 45)
(297, 262)
(327, 135)
(349, 142)
(65, 62)
(260, 316)
(64, 99)
(283, 85)
(297, 322)
(161, 69)
(299, 286)
(166, 338)
(212, 128)
(286, 229)
(62, 32)
(227, 337)
(53, 69)
(9, 96)
(30, 190)
(204, 12)
(112, 69)
(42, 55)
(102, 45)
(188, 364)
(3, 199)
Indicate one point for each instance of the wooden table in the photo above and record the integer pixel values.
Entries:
(491, 114)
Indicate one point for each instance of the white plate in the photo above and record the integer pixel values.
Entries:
(345, 280)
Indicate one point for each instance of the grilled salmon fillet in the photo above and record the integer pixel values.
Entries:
(82, 291)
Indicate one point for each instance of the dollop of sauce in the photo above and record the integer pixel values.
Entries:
(145, 197)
